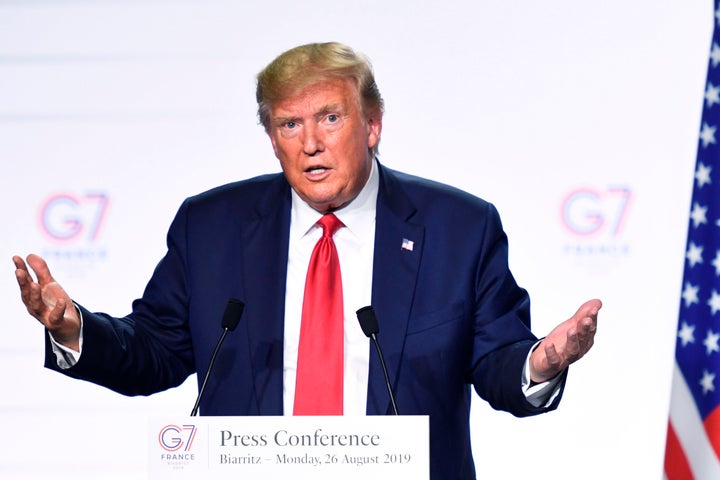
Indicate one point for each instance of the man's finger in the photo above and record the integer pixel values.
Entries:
(586, 334)
(24, 283)
(57, 315)
(29, 290)
(40, 268)
(573, 342)
(34, 298)
(19, 263)
(552, 356)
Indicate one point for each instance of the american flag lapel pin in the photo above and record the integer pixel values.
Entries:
(407, 245)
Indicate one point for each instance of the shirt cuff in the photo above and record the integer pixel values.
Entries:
(540, 395)
(67, 357)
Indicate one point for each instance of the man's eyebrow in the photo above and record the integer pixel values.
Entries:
(333, 107)
(285, 119)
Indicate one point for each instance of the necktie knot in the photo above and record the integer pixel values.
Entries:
(330, 224)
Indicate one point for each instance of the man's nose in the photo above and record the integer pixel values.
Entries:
(312, 140)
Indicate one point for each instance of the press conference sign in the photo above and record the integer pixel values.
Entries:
(288, 447)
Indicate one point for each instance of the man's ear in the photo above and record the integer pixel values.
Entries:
(374, 128)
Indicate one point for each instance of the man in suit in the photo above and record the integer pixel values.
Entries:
(430, 259)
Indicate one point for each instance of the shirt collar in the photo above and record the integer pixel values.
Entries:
(358, 216)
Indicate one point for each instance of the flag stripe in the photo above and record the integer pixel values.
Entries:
(676, 464)
(712, 424)
(689, 430)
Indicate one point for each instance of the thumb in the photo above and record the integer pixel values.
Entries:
(41, 269)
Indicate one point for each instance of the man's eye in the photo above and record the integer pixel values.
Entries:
(290, 124)
(332, 118)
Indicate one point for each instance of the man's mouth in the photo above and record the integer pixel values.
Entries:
(316, 170)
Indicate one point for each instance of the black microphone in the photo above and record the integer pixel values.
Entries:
(369, 324)
(230, 320)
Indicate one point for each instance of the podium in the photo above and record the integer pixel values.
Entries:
(279, 447)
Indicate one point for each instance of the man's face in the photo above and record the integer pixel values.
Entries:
(323, 141)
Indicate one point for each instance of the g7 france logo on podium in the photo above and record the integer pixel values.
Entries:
(175, 438)
(176, 442)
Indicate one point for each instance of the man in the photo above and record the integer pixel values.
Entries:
(430, 259)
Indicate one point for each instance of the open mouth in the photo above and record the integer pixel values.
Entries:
(316, 170)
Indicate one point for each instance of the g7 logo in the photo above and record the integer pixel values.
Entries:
(172, 437)
(589, 212)
(65, 217)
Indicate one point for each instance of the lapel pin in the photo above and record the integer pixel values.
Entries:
(407, 245)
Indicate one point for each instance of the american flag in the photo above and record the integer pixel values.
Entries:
(692, 449)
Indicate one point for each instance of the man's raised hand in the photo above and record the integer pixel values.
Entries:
(47, 301)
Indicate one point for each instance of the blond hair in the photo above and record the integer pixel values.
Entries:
(308, 64)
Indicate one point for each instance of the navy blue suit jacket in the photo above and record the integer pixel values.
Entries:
(451, 314)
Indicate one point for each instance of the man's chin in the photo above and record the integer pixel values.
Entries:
(326, 205)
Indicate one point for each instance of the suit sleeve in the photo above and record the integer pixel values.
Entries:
(502, 339)
(150, 349)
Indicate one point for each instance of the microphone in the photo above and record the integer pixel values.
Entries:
(369, 324)
(230, 320)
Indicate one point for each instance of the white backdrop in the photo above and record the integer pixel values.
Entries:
(578, 120)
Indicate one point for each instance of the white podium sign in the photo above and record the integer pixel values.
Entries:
(290, 447)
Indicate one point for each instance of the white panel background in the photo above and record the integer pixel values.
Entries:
(519, 102)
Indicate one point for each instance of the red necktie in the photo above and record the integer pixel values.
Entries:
(319, 383)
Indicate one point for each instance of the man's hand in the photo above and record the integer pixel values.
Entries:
(567, 343)
(46, 300)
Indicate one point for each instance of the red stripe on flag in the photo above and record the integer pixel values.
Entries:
(676, 464)
(712, 427)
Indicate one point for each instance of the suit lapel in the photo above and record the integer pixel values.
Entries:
(265, 240)
(398, 248)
